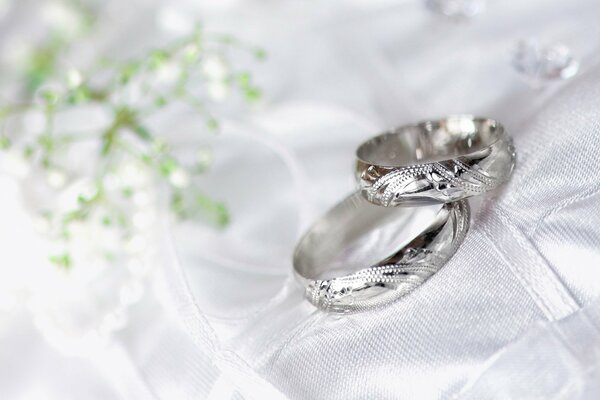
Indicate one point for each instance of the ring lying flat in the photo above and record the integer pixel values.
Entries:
(360, 255)
(435, 161)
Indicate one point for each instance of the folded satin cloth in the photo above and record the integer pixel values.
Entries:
(499, 320)
(516, 301)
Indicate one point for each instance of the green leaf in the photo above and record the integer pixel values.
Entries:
(4, 143)
(61, 260)
(146, 159)
(212, 124)
(160, 146)
(47, 142)
(215, 211)
(160, 101)
(253, 94)
(191, 53)
(260, 54)
(127, 191)
(125, 116)
(79, 95)
(244, 80)
(127, 72)
(75, 215)
(142, 133)
(42, 64)
(49, 96)
(157, 58)
(28, 151)
(166, 167)
(178, 205)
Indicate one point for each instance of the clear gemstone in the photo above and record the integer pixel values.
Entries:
(544, 63)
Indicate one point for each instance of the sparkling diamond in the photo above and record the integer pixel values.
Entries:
(544, 63)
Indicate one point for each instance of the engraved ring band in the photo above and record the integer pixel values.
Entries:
(435, 161)
(361, 256)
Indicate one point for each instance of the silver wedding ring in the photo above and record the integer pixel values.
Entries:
(435, 161)
(360, 255)
(409, 215)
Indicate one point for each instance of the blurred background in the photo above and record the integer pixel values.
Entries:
(159, 160)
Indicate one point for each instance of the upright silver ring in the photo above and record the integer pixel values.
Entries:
(435, 161)
(360, 255)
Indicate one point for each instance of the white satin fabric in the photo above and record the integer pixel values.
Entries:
(513, 315)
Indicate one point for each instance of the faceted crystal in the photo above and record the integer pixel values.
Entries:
(540, 64)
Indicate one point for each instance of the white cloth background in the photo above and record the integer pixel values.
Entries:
(512, 315)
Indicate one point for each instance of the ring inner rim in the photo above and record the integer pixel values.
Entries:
(430, 141)
(349, 221)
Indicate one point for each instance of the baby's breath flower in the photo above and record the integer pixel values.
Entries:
(173, 20)
(214, 67)
(16, 164)
(179, 178)
(218, 90)
(191, 52)
(56, 178)
(204, 157)
(60, 17)
(74, 78)
(106, 209)
(168, 73)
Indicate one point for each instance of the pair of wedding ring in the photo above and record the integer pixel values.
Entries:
(409, 215)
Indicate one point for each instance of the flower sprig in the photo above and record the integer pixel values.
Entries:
(70, 21)
(127, 156)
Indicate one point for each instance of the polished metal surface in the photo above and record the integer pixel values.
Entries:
(435, 161)
(360, 255)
